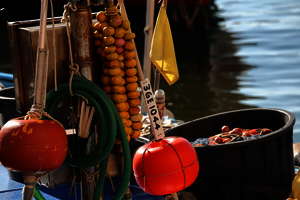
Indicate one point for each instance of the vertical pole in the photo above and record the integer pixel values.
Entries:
(156, 80)
(81, 23)
(28, 189)
(148, 31)
(148, 38)
(41, 68)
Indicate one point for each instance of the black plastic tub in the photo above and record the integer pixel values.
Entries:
(259, 169)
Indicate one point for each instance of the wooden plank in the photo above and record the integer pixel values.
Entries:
(23, 39)
(16, 63)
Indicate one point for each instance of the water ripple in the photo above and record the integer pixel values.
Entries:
(268, 37)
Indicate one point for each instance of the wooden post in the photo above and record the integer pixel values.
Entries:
(81, 23)
(148, 38)
(41, 68)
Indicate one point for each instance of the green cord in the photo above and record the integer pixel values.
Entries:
(110, 124)
(37, 194)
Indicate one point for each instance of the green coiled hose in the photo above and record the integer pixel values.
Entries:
(110, 124)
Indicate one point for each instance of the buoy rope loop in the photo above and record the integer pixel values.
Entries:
(38, 114)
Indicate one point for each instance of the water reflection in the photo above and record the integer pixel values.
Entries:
(273, 26)
(209, 71)
(253, 61)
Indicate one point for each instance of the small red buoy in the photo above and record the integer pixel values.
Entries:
(165, 166)
(32, 145)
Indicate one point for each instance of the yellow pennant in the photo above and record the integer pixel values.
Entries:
(162, 53)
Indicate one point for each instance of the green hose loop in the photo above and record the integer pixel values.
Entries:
(110, 124)
(105, 143)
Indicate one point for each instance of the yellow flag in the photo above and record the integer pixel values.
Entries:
(162, 53)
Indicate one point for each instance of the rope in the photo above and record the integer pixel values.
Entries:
(54, 44)
(74, 67)
(35, 113)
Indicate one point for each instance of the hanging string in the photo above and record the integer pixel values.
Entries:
(54, 45)
(74, 67)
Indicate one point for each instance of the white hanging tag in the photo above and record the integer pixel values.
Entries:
(156, 124)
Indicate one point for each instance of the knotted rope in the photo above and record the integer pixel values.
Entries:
(74, 67)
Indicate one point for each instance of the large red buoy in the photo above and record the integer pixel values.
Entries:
(32, 145)
(165, 166)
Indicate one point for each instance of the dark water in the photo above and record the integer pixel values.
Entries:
(269, 39)
(250, 58)
(254, 62)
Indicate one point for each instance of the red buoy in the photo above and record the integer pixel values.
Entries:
(165, 166)
(32, 145)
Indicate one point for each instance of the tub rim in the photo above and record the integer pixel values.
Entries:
(288, 125)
